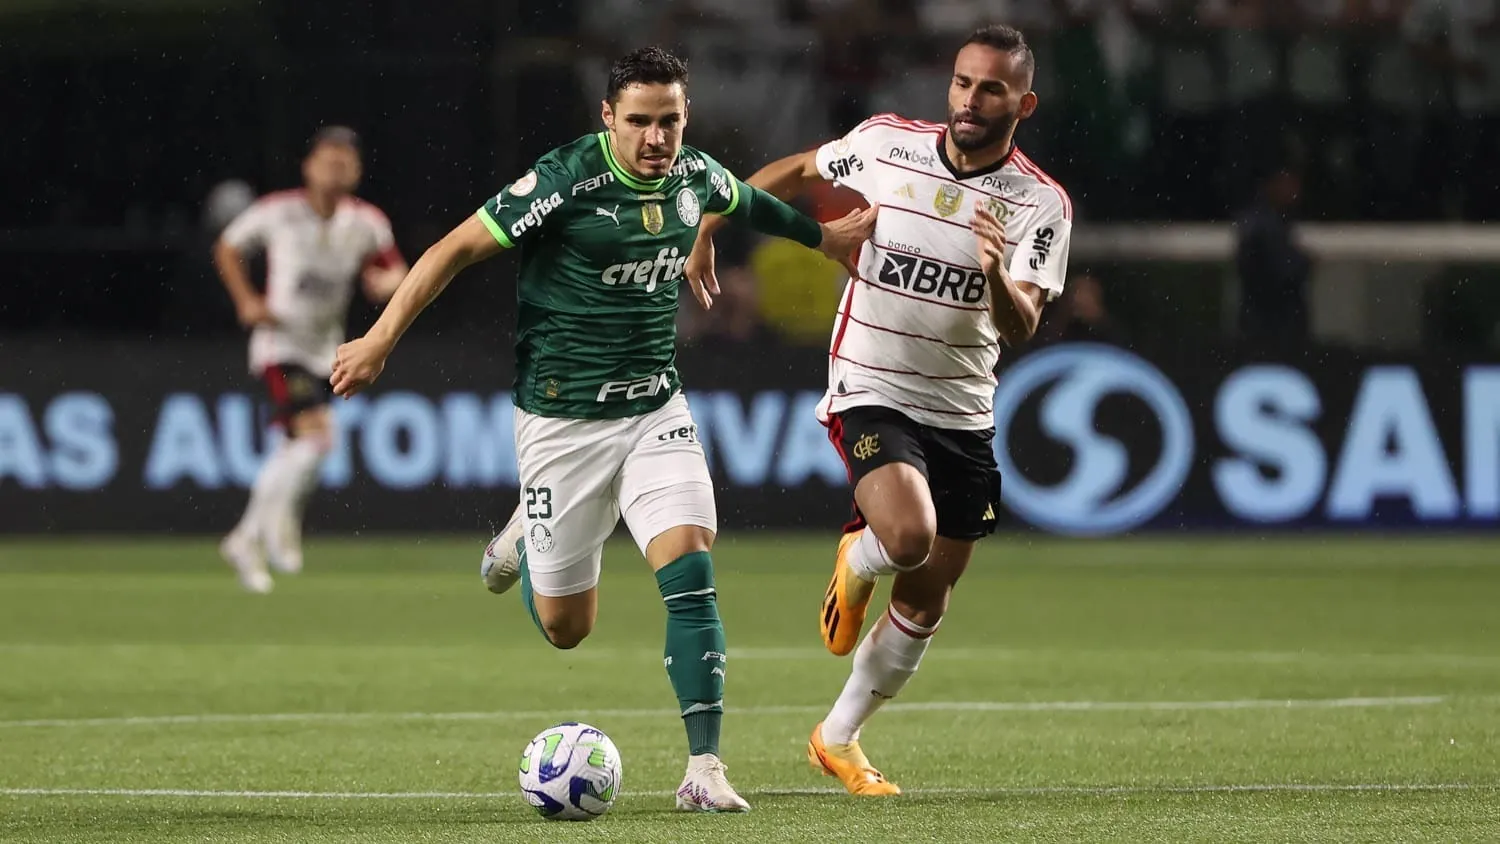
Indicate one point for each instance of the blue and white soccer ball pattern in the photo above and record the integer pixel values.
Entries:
(570, 772)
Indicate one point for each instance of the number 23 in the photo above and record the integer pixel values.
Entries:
(539, 502)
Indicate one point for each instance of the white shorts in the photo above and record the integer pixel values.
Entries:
(579, 475)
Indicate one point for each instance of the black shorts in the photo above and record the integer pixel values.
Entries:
(294, 389)
(959, 465)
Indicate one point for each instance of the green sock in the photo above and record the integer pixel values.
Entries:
(527, 596)
(695, 647)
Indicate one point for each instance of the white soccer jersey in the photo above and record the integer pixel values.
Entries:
(311, 267)
(913, 330)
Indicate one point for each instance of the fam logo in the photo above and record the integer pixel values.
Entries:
(594, 183)
(1060, 391)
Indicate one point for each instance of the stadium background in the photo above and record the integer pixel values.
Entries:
(125, 403)
(1245, 655)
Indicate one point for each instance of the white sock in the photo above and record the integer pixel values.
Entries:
(870, 560)
(883, 662)
(281, 480)
(302, 470)
(262, 493)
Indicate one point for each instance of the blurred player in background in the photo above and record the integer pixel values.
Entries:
(317, 241)
(605, 224)
(972, 241)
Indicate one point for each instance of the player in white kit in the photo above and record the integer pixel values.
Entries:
(970, 243)
(317, 241)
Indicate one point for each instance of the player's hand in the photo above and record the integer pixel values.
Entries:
(357, 365)
(700, 272)
(989, 233)
(842, 237)
(253, 312)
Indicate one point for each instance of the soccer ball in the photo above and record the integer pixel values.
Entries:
(570, 772)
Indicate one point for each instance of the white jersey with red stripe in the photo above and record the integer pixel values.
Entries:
(913, 330)
(311, 267)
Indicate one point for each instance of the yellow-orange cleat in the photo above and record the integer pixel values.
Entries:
(848, 763)
(845, 601)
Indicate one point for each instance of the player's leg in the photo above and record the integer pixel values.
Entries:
(883, 663)
(568, 471)
(965, 487)
(894, 521)
(272, 522)
(310, 439)
(667, 498)
(244, 546)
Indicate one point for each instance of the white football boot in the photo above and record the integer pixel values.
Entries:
(242, 553)
(706, 789)
(501, 566)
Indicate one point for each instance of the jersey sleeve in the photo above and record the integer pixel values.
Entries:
(1041, 254)
(383, 251)
(723, 188)
(521, 210)
(248, 232)
(847, 161)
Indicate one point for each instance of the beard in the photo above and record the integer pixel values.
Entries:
(991, 130)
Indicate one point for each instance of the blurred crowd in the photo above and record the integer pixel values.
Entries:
(1151, 109)
(1256, 111)
(124, 156)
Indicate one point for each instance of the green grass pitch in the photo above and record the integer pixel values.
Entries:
(1308, 689)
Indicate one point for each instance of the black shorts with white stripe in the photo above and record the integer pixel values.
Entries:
(293, 389)
(959, 465)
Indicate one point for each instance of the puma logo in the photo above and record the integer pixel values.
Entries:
(613, 215)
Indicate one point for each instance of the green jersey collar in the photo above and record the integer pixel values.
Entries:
(624, 175)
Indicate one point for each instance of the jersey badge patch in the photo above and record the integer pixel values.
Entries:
(524, 185)
(1001, 211)
(687, 208)
(948, 200)
(651, 217)
(867, 446)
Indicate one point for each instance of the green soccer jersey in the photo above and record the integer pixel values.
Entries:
(602, 255)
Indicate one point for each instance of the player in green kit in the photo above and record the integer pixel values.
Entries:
(605, 225)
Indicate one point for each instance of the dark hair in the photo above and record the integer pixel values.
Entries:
(1006, 39)
(340, 136)
(646, 66)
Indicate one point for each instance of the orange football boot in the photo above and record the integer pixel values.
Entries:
(846, 600)
(848, 763)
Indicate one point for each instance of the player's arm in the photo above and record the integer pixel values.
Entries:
(360, 361)
(244, 232)
(767, 214)
(770, 216)
(784, 179)
(841, 160)
(510, 218)
(385, 267)
(380, 281)
(764, 211)
(1015, 304)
